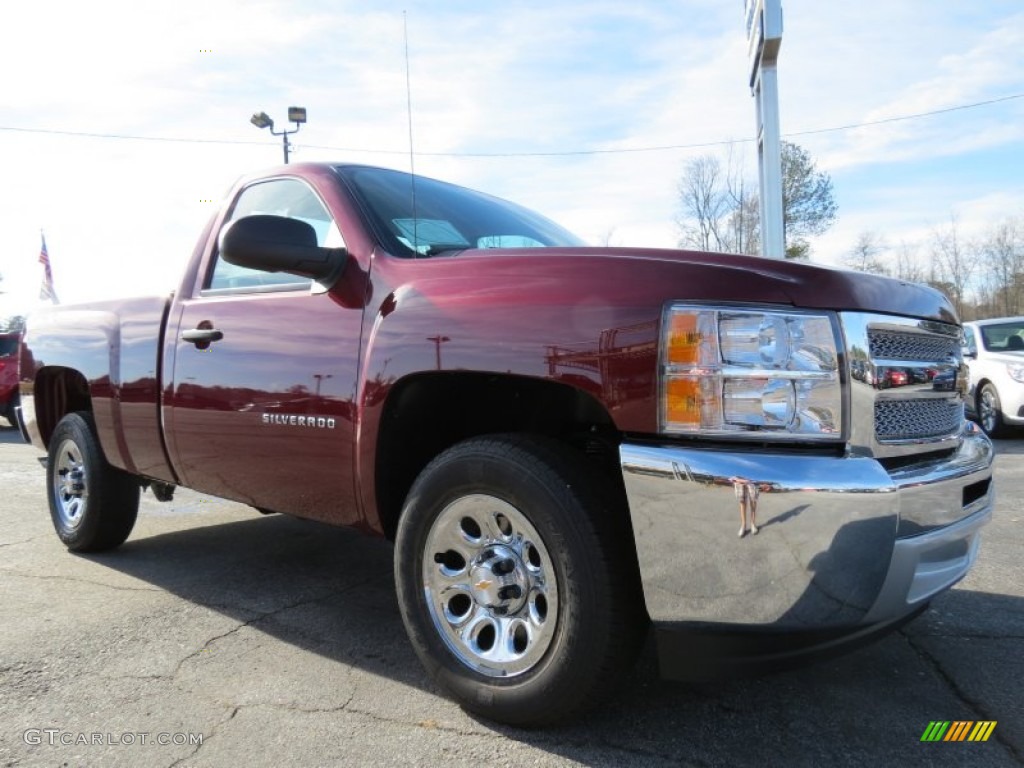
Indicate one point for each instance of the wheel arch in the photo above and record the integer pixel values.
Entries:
(976, 394)
(58, 391)
(427, 413)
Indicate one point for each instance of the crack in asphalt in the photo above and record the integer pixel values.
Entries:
(77, 580)
(552, 744)
(980, 710)
(264, 616)
(213, 733)
(622, 749)
(24, 541)
(299, 708)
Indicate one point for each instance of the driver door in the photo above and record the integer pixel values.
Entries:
(262, 411)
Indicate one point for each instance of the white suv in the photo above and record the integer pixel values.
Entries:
(994, 352)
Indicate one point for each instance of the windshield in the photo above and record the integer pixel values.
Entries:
(1004, 337)
(432, 217)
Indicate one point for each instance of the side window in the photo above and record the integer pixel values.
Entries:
(280, 197)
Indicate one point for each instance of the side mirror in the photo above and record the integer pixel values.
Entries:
(968, 352)
(279, 244)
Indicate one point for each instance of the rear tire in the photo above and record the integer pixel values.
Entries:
(517, 579)
(93, 505)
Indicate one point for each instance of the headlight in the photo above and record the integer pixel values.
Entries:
(1016, 371)
(750, 372)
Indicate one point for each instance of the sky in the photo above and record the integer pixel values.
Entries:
(123, 124)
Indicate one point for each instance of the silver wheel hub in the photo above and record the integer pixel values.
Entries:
(69, 484)
(489, 586)
(500, 581)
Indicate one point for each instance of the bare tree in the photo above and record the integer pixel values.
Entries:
(907, 266)
(704, 204)
(952, 262)
(1002, 258)
(864, 256)
(744, 221)
(719, 210)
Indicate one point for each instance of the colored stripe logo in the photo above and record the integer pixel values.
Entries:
(958, 730)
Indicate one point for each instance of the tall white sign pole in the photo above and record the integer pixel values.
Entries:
(764, 36)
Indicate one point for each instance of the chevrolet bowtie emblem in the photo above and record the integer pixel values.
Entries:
(483, 584)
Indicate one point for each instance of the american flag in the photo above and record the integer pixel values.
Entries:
(46, 291)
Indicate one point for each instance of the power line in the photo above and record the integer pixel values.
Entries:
(563, 153)
(127, 137)
(916, 116)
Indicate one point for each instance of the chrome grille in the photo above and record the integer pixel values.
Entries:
(902, 379)
(917, 419)
(896, 345)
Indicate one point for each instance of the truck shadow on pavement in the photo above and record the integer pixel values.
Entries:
(9, 434)
(331, 592)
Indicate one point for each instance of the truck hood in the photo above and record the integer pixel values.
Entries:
(693, 275)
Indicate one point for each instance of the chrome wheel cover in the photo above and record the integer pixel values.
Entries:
(70, 484)
(490, 586)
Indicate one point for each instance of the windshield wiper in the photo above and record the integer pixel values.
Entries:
(436, 249)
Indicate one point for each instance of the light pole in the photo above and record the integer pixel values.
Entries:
(764, 37)
(438, 341)
(296, 115)
(319, 379)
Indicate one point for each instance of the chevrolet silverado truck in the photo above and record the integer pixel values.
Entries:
(559, 439)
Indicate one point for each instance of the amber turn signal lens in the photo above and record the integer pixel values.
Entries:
(683, 346)
(683, 402)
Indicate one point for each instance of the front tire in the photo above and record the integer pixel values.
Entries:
(93, 505)
(517, 579)
(990, 411)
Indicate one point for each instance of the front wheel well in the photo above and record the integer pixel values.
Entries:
(427, 413)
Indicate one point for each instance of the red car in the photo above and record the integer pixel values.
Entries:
(9, 343)
(893, 377)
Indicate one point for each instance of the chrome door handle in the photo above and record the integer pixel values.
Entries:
(201, 335)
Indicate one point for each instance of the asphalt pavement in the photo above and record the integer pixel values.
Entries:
(217, 636)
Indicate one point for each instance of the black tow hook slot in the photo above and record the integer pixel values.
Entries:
(976, 491)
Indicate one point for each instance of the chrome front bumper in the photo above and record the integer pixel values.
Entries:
(842, 541)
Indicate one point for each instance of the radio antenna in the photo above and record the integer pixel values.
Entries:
(412, 154)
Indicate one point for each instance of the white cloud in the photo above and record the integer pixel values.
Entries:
(989, 69)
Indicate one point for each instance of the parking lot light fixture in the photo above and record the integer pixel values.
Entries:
(296, 115)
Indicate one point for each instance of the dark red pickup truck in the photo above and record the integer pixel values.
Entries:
(563, 441)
